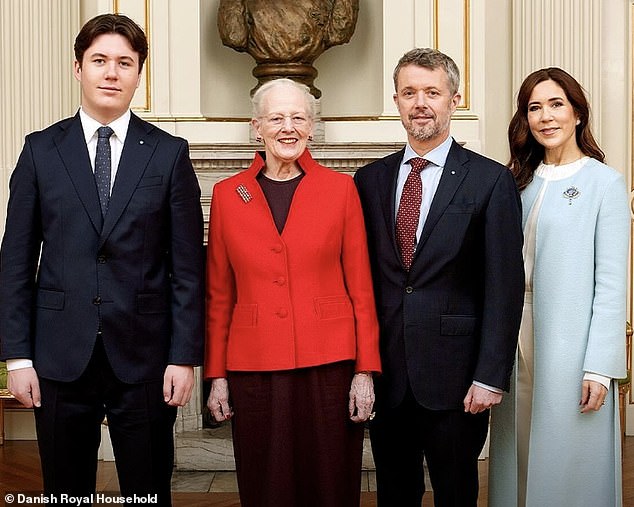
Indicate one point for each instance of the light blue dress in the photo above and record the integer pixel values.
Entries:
(579, 283)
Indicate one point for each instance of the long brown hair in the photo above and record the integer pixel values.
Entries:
(526, 152)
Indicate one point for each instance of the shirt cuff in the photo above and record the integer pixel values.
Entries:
(18, 364)
(488, 387)
(601, 379)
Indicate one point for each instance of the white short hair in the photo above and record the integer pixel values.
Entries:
(258, 96)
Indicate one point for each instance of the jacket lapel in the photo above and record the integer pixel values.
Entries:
(453, 174)
(71, 146)
(387, 180)
(137, 151)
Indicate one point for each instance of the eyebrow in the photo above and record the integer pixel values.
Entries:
(103, 55)
(547, 100)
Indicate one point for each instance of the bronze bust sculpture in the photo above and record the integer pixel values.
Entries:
(285, 37)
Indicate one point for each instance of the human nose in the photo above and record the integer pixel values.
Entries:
(111, 70)
(420, 99)
(546, 114)
(287, 122)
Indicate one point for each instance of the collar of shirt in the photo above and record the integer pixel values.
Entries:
(90, 126)
(430, 178)
(437, 156)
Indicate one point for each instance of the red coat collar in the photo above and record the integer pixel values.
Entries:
(305, 161)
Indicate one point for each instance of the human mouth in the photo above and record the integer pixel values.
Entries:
(421, 117)
(110, 88)
(548, 131)
(287, 141)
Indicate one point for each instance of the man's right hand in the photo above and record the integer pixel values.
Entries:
(24, 385)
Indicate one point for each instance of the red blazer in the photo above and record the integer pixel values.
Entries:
(302, 298)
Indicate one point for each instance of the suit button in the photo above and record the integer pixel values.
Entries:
(101, 259)
(280, 281)
(282, 313)
(96, 301)
(409, 289)
(276, 248)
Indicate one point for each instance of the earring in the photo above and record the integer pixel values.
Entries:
(258, 139)
(578, 121)
(310, 137)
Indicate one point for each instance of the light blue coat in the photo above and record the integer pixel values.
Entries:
(579, 304)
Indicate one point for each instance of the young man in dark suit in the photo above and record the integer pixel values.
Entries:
(101, 281)
(445, 241)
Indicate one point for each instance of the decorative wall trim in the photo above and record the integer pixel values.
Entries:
(147, 68)
(466, 72)
(186, 119)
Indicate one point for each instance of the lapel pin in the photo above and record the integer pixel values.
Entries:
(571, 193)
(141, 141)
(453, 172)
(244, 193)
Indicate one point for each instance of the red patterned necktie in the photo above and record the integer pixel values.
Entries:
(409, 211)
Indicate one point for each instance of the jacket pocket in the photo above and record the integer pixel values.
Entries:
(245, 315)
(333, 307)
(50, 299)
(457, 325)
(150, 181)
(460, 208)
(151, 303)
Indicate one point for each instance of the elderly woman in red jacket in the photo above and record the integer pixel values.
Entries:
(292, 333)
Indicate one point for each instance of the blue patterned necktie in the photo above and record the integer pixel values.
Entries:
(409, 211)
(103, 167)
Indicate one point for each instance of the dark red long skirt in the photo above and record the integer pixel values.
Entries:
(294, 443)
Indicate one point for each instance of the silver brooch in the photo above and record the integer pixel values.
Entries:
(244, 193)
(571, 193)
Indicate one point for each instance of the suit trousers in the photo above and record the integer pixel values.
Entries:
(450, 441)
(141, 425)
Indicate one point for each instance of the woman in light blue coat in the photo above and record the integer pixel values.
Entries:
(555, 440)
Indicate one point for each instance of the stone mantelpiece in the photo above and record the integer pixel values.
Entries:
(215, 162)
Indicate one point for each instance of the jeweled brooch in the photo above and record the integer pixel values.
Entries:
(244, 193)
(571, 193)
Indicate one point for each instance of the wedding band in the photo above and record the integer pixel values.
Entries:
(372, 415)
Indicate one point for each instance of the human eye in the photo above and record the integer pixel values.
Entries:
(98, 61)
(433, 93)
(407, 93)
(276, 120)
(298, 119)
(558, 103)
(532, 108)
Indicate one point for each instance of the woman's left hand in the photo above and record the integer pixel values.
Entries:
(361, 397)
(593, 396)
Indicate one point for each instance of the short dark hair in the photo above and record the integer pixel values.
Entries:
(430, 59)
(111, 23)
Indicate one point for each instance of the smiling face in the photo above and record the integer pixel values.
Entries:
(552, 119)
(425, 104)
(284, 123)
(109, 76)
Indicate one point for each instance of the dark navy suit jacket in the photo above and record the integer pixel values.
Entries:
(454, 317)
(135, 275)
